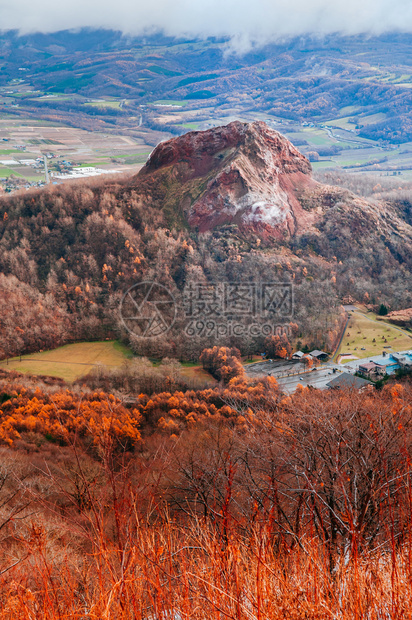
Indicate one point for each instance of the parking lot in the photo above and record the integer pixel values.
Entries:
(274, 368)
(290, 374)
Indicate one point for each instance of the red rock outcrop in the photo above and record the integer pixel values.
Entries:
(243, 173)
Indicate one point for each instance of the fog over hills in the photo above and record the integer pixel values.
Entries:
(246, 24)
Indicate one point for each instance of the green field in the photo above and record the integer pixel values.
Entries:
(6, 172)
(317, 137)
(70, 361)
(350, 110)
(136, 158)
(326, 163)
(372, 118)
(342, 123)
(163, 71)
(192, 126)
(364, 331)
(104, 104)
(170, 102)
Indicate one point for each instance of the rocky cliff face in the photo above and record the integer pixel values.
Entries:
(244, 173)
(248, 175)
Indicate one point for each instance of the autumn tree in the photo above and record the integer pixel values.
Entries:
(278, 346)
(223, 363)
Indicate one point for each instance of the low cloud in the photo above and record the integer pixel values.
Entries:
(246, 23)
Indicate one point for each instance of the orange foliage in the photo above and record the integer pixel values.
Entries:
(278, 346)
(64, 417)
(222, 362)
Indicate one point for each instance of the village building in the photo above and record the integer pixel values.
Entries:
(319, 355)
(346, 380)
(404, 361)
(372, 370)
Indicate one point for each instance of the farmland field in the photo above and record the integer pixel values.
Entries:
(104, 104)
(70, 361)
(68, 143)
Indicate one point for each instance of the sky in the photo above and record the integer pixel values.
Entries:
(246, 22)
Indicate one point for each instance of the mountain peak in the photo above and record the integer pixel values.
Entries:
(242, 173)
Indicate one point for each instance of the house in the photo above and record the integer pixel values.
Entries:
(404, 361)
(319, 355)
(388, 364)
(298, 355)
(346, 380)
(371, 369)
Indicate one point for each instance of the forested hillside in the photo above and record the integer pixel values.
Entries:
(74, 250)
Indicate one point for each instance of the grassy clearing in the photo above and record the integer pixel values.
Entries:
(197, 372)
(191, 370)
(192, 126)
(372, 118)
(349, 109)
(143, 155)
(104, 104)
(366, 336)
(163, 71)
(138, 158)
(317, 137)
(327, 163)
(6, 172)
(170, 102)
(342, 123)
(70, 361)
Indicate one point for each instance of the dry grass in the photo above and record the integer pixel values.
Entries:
(70, 361)
(366, 336)
(198, 374)
(169, 572)
(308, 514)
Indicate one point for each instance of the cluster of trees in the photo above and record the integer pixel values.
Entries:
(140, 376)
(74, 250)
(29, 320)
(64, 417)
(223, 363)
(397, 128)
(278, 346)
